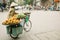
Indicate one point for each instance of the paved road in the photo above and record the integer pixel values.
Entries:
(46, 26)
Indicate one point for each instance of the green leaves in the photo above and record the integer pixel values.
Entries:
(28, 1)
(21, 16)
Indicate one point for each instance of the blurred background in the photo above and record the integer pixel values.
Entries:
(45, 18)
(36, 4)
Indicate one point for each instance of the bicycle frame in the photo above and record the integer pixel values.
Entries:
(27, 18)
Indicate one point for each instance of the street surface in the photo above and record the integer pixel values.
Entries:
(45, 26)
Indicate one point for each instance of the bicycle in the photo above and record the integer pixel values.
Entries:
(26, 26)
(27, 22)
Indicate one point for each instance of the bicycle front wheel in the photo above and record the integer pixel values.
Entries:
(27, 26)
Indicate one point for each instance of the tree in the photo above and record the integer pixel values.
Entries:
(28, 2)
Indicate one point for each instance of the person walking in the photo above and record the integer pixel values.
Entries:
(1, 7)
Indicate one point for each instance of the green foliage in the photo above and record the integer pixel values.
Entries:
(28, 1)
(21, 16)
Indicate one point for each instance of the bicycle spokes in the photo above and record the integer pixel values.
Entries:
(27, 26)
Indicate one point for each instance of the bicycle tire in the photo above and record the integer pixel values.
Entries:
(14, 37)
(11, 35)
(29, 28)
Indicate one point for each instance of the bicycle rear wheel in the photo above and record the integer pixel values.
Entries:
(27, 26)
(12, 36)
